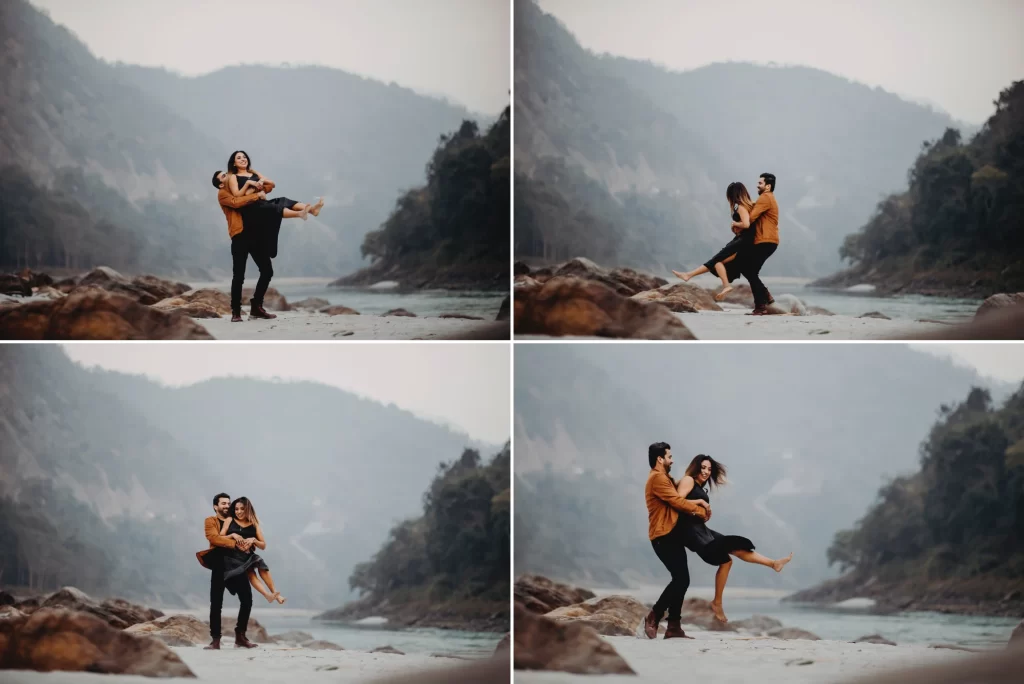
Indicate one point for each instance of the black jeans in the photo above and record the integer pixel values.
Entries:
(242, 247)
(672, 553)
(753, 261)
(216, 563)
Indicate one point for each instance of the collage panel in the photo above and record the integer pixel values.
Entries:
(241, 512)
(199, 170)
(767, 512)
(789, 171)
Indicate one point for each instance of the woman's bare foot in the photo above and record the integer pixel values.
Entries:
(716, 608)
(685, 277)
(781, 563)
(304, 214)
(280, 599)
(721, 295)
(315, 209)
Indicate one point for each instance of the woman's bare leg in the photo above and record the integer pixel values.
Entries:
(758, 559)
(300, 213)
(265, 576)
(692, 274)
(721, 577)
(254, 580)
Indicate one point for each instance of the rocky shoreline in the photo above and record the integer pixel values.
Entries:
(891, 279)
(455, 278)
(472, 616)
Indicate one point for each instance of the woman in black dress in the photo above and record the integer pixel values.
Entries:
(712, 547)
(245, 525)
(724, 263)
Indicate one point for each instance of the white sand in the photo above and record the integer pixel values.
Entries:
(301, 325)
(734, 324)
(724, 658)
(271, 664)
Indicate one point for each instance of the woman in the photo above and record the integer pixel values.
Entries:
(739, 200)
(245, 525)
(712, 547)
(243, 180)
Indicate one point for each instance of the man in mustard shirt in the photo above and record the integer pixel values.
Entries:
(764, 221)
(664, 507)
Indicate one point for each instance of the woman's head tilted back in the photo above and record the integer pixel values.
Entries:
(704, 469)
(737, 193)
(239, 162)
(241, 509)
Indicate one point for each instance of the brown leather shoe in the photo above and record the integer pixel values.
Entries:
(675, 631)
(236, 316)
(651, 625)
(257, 311)
(214, 645)
(761, 310)
(242, 642)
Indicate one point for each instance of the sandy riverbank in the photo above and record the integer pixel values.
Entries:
(734, 324)
(269, 663)
(726, 658)
(308, 325)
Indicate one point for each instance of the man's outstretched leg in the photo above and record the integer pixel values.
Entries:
(672, 553)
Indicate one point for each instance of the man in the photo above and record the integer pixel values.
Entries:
(664, 506)
(246, 243)
(213, 559)
(764, 221)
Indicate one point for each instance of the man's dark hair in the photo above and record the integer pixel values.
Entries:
(216, 178)
(656, 451)
(220, 496)
(769, 179)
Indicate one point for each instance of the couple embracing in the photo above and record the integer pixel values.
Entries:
(678, 513)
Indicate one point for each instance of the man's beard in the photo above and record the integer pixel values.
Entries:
(668, 468)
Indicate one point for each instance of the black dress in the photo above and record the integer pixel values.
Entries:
(734, 246)
(263, 218)
(712, 547)
(236, 562)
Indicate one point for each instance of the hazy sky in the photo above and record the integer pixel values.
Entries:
(463, 385)
(957, 54)
(1003, 361)
(456, 48)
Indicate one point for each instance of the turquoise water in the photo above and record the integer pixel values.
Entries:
(909, 307)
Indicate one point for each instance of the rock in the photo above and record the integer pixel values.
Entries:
(526, 281)
(91, 314)
(29, 605)
(543, 644)
(206, 298)
(793, 633)
(387, 649)
(519, 268)
(758, 624)
(504, 645)
(7, 599)
(541, 595)
(461, 316)
(272, 300)
(698, 612)
(312, 303)
(999, 301)
(10, 613)
(625, 281)
(67, 284)
(106, 278)
(873, 639)
(255, 631)
(681, 298)
(131, 613)
(571, 306)
(638, 282)
(293, 637)
(740, 294)
(610, 616)
(11, 284)
(819, 311)
(34, 279)
(160, 288)
(338, 310)
(320, 645)
(875, 314)
(1017, 635)
(174, 630)
(55, 639)
(399, 312)
(70, 598)
(787, 304)
(504, 311)
(49, 292)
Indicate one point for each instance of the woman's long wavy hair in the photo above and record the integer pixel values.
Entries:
(718, 471)
(234, 169)
(736, 193)
(250, 512)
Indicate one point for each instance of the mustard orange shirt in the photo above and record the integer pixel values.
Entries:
(766, 214)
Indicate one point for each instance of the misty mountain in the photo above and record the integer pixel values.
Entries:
(131, 461)
(663, 145)
(153, 138)
(808, 433)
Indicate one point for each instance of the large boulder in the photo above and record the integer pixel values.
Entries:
(625, 281)
(10, 613)
(174, 630)
(159, 287)
(741, 294)
(295, 637)
(793, 633)
(999, 301)
(310, 303)
(757, 624)
(115, 612)
(106, 278)
(205, 299)
(573, 306)
(132, 613)
(504, 311)
(681, 298)
(1017, 636)
(338, 310)
(610, 616)
(272, 300)
(255, 631)
(698, 612)
(541, 595)
(11, 284)
(92, 314)
(543, 644)
(34, 279)
(54, 639)
(399, 312)
(321, 645)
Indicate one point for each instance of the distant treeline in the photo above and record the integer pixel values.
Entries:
(962, 514)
